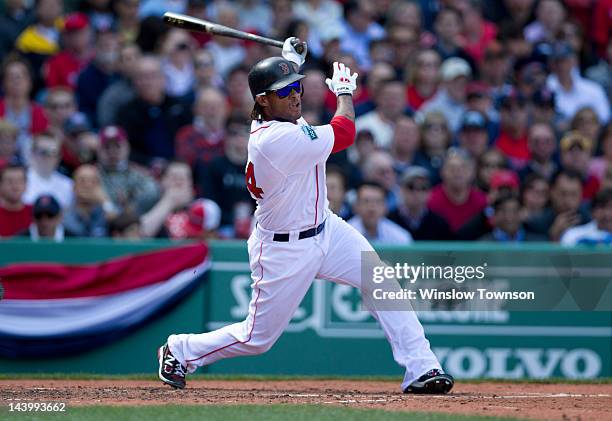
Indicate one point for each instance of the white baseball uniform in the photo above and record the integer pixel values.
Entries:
(286, 175)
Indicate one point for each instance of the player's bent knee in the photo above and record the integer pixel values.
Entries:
(260, 347)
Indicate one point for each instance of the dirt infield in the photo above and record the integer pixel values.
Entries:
(537, 401)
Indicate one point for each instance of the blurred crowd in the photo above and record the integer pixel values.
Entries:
(476, 120)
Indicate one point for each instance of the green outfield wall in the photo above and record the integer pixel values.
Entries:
(331, 335)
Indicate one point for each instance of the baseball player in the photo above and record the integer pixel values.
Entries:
(297, 238)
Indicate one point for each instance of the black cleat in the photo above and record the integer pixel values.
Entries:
(434, 382)
(171, 371)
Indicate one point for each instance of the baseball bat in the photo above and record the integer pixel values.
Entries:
(190, 23)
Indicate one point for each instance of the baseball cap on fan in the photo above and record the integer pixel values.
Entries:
(203, 215)
(504, 178)
(112, 134)
(455, 67)
(75, 22)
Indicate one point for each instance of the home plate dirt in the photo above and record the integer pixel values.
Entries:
(519, 400)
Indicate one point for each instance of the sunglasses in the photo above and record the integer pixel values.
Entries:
(421, 188)
(285, 91)
(46, 152)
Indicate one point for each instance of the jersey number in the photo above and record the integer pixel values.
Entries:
(256, 192)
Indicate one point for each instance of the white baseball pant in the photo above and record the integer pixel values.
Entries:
(282, 272)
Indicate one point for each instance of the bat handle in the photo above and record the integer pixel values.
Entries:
(298, 45)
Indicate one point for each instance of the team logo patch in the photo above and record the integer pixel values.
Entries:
(284, 68)
(310, 132)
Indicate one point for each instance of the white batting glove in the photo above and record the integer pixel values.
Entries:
(342, 82)
(290, 54)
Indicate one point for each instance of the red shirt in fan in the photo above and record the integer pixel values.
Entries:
(13, 222)
(456, 214)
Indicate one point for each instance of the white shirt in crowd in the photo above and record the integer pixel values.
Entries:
(387, 232)
(58, 185)
(584, 93)
(381, 130)
(586, 234)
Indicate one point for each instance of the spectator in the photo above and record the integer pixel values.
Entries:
(203, 139)
(222, 178)
(422, 77)
(404, 44)
(586, 123)
(507, 226)
(89, 214)
(129, 186)
(598, 231)
(512, 139)
(477, 32)
(543, 108)
(16, 106)
(256, 15)
(576, 151)
(390, 104)
(313, 100)
(406, 144)
(370, 218)
(435, 140)
(448, 27)
(598, 165)
(177, 63)
(177, 194)
(600, 72)
(47, 222)
(8, 142)
(238, 94)
(13, 20)
(379, 74)
(80, 144)
(455, 199)
(126, 226)
(127, 22)
(206, 75)
(542, 147)
(413, 214)
(40, 40)
(99, 13)
(529, 75)
(450, 98)
(15, 215)
(228, 52)
(364, 146)
(502, 182)
(336, 192)
(360, 29)
(122, 90)
(565, 210)
(473, 136)
(152, 119)
(478, 98)
(60, 104)
(318, 14)
(534, 196)
(490, 161)
(43, 177)
(99, 74)
(62, 69)
(494, 69)
(550, 14)
(572, 90)
(378, 168)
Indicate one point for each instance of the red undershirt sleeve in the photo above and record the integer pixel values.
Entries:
(344, 133)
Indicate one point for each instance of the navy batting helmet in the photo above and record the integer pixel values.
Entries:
(271, 74)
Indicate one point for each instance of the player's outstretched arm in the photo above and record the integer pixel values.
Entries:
(343, 83)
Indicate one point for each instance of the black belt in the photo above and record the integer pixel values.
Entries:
(304, 234)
